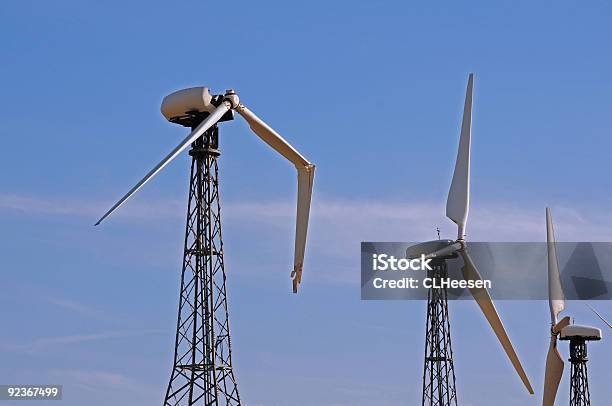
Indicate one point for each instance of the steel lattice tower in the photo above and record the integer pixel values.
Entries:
(579, 381)
(203, 373)
(438, 372)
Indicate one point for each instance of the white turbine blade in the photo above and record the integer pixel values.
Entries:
(553, 374)
(484, 301)
(556, 298)
(458, 202)
(305, 183)
(554, 365)
(599, 315)
(306, 172)
(271, 137)
(195, 134)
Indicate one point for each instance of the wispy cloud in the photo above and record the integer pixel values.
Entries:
(338, 225)
(158, 209)
(101, 381)
(46, 343)
(98, 378)
(76, 207)
(372, 217)
(45, 205)
(79, 308)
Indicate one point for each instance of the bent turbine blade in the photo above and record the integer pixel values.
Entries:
(306, 172)
(484, 301)
(305, 183)
(458, 201)
(553, 374)
(195, 134)
(556, 298)
(271, 137)
(554, 365)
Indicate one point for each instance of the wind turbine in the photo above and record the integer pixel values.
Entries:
(439, 376)
(577, 335)
(203, 371)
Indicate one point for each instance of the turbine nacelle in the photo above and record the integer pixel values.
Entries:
(438, 249)
(576, 331)
(183, 106)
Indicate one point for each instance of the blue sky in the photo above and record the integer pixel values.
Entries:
(372, 93)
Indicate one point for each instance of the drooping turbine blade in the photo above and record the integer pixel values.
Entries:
(306, 172)
(305, 183)
(553, 374)
(484, 301)
(458, 202)
(271, 137)
(599, 315)
(554, 366)
(556, 298)
(195, 134)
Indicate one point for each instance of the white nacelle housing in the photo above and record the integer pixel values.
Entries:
(585, 332)
(181, 102)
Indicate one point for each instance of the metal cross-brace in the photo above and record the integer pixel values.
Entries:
(439, 371)
(579, 381)
(203, 372)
